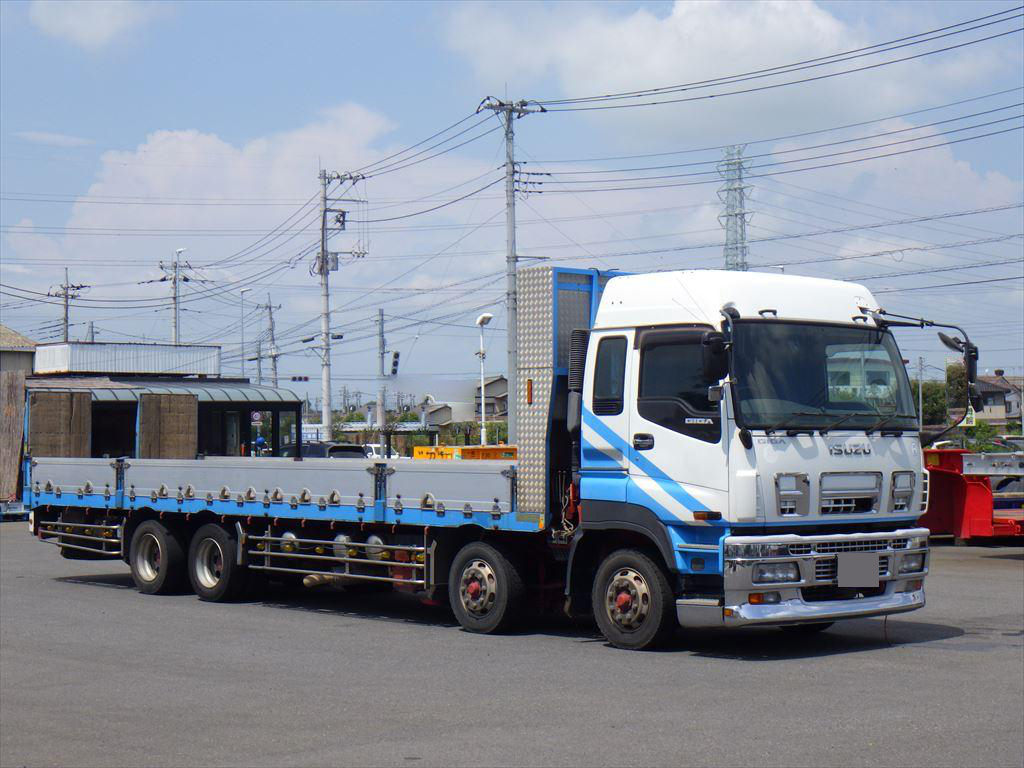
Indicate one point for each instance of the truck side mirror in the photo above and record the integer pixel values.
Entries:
(714, 356)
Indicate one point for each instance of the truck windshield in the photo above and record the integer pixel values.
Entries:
(790, 375)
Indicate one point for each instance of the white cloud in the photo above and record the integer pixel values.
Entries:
(53, 139)
(91, 24)
(593, 49)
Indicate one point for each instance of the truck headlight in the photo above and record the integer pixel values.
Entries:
(756, 550)
(775, 573)
(912, 563)
(917, 542)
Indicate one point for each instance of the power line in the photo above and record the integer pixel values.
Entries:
(786, 137)
(557, 105)
(950, 285)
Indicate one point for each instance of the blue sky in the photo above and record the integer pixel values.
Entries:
(138, 103)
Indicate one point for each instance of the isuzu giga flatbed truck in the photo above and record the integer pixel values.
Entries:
(695, 448)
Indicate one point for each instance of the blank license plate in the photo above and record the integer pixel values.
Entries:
(857, 569)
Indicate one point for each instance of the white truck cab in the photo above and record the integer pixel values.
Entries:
(788, 482)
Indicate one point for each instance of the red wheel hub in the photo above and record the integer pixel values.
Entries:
(623, 602)
(473, 590)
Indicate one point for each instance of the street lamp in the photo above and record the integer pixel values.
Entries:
(242, 318)
(481, 321)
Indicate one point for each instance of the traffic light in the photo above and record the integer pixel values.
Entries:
(394, 363)
(300, 378)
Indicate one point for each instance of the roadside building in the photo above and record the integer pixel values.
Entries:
(157, 401)
(496, 390)
(16, 351)
(1002, 398)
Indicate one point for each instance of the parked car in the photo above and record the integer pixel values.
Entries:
(326, 450)
(376, 451)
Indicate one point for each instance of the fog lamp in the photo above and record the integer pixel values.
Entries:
(773, 573)
(912, 563)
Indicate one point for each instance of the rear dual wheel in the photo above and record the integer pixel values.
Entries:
(157, 559)
(212, 565)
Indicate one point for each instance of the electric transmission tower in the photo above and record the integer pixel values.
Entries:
(733, 193)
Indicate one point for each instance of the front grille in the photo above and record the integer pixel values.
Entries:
(863, 545)
(848, 505)
(828, 547)
(900, 505)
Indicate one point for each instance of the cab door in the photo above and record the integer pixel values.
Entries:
(604, 455)
(678, 459)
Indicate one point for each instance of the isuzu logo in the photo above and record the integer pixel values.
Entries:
(849, 450)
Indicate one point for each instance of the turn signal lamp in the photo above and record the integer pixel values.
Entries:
(763, 598)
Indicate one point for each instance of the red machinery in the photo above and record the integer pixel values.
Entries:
(961, 499)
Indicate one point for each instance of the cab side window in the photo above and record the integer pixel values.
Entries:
(609, 376)
(672, 390)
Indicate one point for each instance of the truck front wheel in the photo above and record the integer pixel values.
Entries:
(485, 589)
(212, 569)
(157, 559)
(632, 601)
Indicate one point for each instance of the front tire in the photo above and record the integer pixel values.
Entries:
(157, 559)
(212, 569)
(485, 589)
(632, 601)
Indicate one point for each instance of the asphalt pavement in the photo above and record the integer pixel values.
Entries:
(94, 674)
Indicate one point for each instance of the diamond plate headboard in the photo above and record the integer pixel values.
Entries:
(552, 303)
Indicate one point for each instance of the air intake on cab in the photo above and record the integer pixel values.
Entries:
(578, 341)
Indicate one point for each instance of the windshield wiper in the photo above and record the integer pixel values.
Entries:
(885, 420)
(775, 427)
(846, 417)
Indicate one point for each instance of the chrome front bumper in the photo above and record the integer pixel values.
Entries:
(815, 557)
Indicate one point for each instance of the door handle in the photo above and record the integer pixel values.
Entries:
(642, 442)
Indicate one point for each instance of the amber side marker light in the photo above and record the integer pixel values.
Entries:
(707, 515)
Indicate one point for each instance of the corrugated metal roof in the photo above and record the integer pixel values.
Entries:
(105, 390)
(12, 341)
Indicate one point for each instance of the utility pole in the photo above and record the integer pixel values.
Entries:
(90, 335)
(66, 291)
(272, 345)
(259, 361)
(381, 352)
(327, 262)
(510, 111)
(173, 275)
(734, 193)
(920, 394)
(241, 318)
